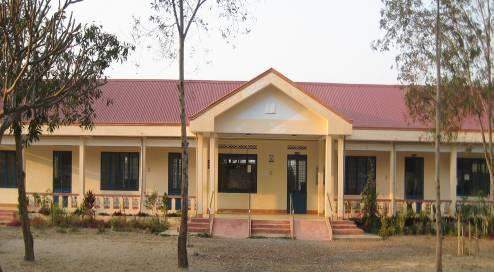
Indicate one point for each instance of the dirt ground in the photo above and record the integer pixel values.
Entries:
(85, 250)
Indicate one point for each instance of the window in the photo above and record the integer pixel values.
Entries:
(7, 169)
(120, 171)
(237, 173)
(473, 177)
(174, 174)
(62, 171)
(357, 170)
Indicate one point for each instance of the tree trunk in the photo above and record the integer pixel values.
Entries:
(182, 237)
(439, 246)
(21, 187)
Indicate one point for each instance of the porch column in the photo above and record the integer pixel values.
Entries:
(82, 172)
(213, 163)
(199, 173)
(341, 173)
(392, 179)
(321, 191)
(452, 178)
(142, 173)
(328, 177)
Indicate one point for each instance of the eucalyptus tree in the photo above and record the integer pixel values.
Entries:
(415, 30)
(51, 70)
(172, 22)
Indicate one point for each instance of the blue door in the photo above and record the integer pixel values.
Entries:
(297, 184)
(62, 175)
(175, 177)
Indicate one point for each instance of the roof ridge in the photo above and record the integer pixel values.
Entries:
(214, 81)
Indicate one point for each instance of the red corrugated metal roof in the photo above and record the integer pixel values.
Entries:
(156, 102)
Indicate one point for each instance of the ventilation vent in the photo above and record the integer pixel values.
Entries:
(297, 147)
(232, 146)
(270, 108)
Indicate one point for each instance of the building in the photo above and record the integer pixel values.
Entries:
(267, 146)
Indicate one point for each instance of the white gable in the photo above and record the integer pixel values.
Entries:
(270, 104)
(270, 111)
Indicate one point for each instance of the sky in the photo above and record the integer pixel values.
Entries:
(311, 40)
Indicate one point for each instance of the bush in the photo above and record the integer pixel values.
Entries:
(119, 224)
(387, 227)
(88, 204)
(155, 226)
(39, 223)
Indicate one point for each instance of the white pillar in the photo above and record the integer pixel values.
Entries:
(213, 166)
(341, 173)
(392, 179)
(321, 195)
(142, 173)
(452, 178)
(328, 176)
(82, 172)
(199, 173)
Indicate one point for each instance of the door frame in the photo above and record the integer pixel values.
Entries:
(421, 178)
(297, 157)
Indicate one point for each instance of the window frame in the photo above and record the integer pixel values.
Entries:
(460, 174)
(248, 157)
(127, 183)
(357, 175)
(5, 182)
(171, 157)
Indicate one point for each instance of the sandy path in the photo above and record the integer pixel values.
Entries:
(87, 251)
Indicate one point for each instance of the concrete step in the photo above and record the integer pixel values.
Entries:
(199, 220)
(353, 231)
(198, 230)
(271, 222)
(270, 226)
(270, 231)
(357, 237)
(6, 216)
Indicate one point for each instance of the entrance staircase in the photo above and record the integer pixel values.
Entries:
(6, 216)
(198, 225)
(346, 229)
(277, 228)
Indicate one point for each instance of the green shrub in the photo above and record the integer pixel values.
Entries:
(386, 229)
(155, 226)
(39, 223)
(119, 224)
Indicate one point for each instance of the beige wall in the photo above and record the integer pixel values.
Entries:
(429, 189)
(157, 169)
(39, 170)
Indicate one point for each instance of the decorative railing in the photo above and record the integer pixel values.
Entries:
(353, 207)
(104, 203)
(426, 206)
(61, 200)
(130, 203)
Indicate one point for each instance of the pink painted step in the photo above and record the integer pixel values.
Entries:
(260, 227)
(198, 225)
(6, 216)
(345, 227)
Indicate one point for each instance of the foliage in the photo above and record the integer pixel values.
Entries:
(152, 202)
(88, 204)
(370, 218)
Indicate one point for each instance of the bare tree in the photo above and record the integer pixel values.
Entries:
(437, 142)
(51, 70)
(172, 21)
(414, 28)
